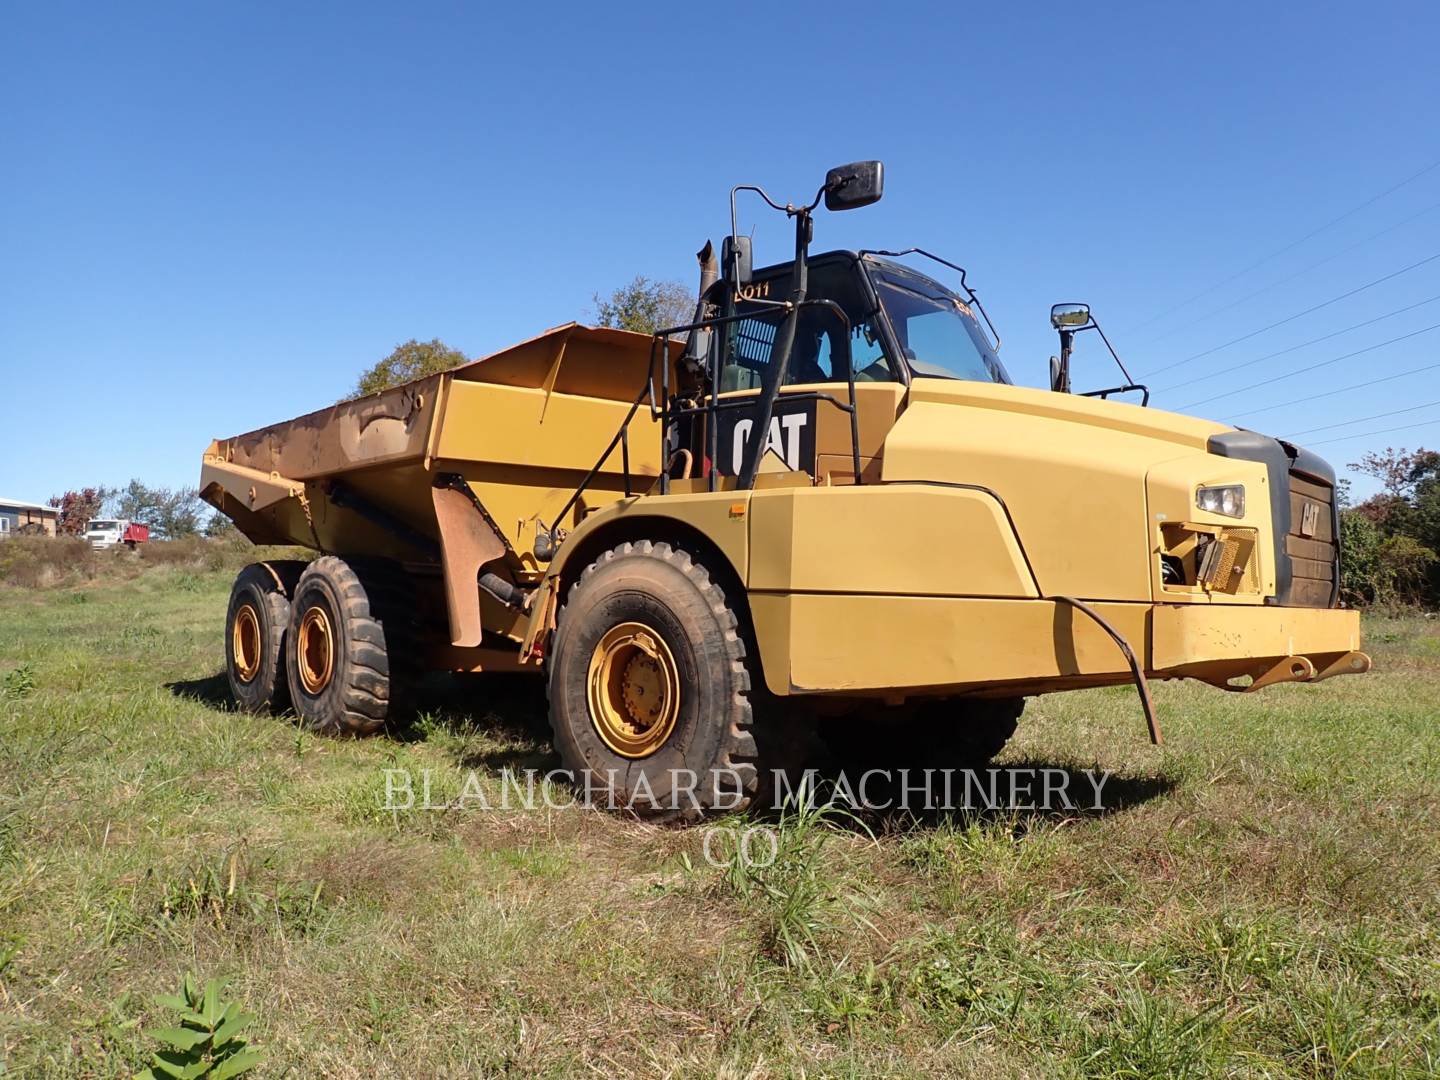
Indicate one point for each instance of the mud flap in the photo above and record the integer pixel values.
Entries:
(467, 542)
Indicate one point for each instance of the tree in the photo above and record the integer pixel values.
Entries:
(171, 513)
(645, 306)
(1400, 473)
(1400, 565)
(220, 527)
(411, 360)
(77, 508)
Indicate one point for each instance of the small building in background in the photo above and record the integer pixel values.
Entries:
(19, 518)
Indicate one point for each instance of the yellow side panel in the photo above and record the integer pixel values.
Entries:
(494, 423)
(1191, 633)
(911, 539)
(849, 644)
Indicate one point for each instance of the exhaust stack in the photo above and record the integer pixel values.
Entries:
(697, 345)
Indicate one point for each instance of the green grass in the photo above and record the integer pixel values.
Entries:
(1261, 897)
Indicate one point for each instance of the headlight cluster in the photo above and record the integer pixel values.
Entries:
(1226, 499)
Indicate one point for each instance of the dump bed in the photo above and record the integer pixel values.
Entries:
(519, 428)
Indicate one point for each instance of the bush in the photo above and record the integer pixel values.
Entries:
(191, 552)
(42, 562)
(1406, 563)
(35, 562)
(1360, 577)
(1380, 569)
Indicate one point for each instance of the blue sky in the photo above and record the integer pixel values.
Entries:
(215, 215)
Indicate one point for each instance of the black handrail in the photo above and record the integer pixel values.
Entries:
(1104, 395)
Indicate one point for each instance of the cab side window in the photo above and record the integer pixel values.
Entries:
(749, 347)
(820, 348)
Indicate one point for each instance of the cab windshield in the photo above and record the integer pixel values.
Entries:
(937, 331)
(103, 526)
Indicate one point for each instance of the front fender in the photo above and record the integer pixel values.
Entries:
(716, 520)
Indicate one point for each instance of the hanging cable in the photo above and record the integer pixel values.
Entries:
(1309, 367)
(1293, 348)
(1382, 431)
(1301, 314)
(1288, 247)
(1341, 390)
(1299, 273)
(1362, 419)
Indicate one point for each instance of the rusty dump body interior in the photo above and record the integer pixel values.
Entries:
(450, 472)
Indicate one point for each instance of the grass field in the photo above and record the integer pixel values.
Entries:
(1258, 898)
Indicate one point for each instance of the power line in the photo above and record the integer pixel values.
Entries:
(1342, 390)
(1288, 247)
(1300, 314)
(1310, 367)
(1382, 431)
(1303, 344)
(1300, 273)
(1362, 419)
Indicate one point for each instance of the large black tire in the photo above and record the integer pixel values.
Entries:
(338, 662)
(255, 626)
(967, 732)
(944, 733)
(685, 617)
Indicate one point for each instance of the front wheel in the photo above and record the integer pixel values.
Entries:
(650, 694)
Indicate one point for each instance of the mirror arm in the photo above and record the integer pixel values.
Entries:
(1120, 363)
(1067, 345)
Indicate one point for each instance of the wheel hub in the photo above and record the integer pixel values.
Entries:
(634, 690)
(315, 650)
(245, 643)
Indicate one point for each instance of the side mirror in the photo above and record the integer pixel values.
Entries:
(1070, 316)
(735, 260)
(850, 187)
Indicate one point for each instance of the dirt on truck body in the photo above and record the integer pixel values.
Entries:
(824, 494)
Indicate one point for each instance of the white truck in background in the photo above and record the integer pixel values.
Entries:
(110, 532)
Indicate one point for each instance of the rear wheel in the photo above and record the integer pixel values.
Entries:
(338, 652)
(255, 627)
(650, 694)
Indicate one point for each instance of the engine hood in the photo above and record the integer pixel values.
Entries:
(1187, 431)
(1071, 472)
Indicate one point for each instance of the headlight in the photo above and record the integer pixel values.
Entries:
(1228, 499)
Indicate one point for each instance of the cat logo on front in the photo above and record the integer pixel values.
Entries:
(791, 437)
(784, 438)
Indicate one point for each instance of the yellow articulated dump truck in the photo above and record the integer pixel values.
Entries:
(822, 500)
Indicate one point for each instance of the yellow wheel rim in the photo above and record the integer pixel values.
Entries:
(634, 690)
(245, 643)
(315, 650)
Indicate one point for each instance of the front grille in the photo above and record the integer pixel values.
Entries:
(1302, 506)
(1310, 542)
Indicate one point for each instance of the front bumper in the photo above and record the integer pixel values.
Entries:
(1218, 644)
